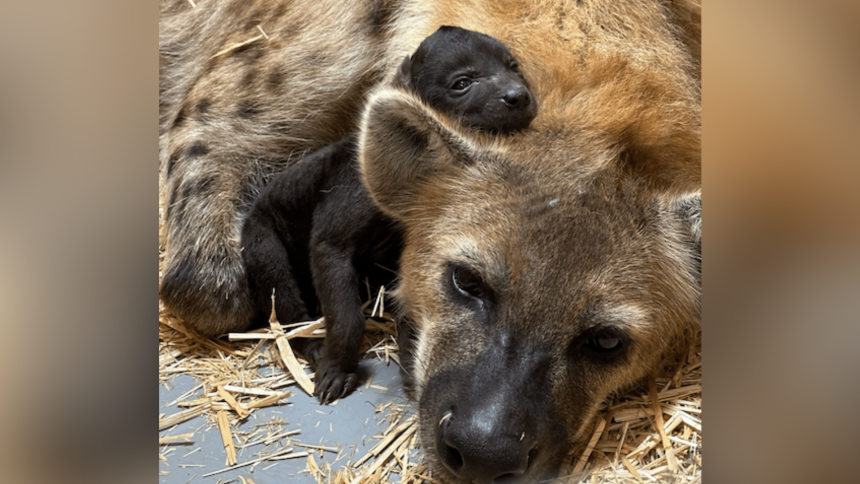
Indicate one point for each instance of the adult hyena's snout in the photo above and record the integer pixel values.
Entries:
(484, 445)
(492, 422)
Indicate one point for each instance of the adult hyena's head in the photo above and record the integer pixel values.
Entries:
(542, 271)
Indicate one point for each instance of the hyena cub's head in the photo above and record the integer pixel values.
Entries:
(537, 285)
(472, 76)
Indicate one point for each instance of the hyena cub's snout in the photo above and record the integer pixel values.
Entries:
(512, 105)
(517, 96)
(492, 421)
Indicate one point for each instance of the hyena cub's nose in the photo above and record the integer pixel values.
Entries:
(482, 449)
(517, 97)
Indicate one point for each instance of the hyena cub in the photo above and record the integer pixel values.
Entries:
(473, 76)
(314, 233)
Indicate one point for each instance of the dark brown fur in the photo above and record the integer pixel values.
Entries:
(523, 254)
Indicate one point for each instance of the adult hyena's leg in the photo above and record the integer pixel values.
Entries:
(235, 108)
(203, 279)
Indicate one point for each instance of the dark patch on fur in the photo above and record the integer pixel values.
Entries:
(275, 79)
(248, 79)
(291, 30)
(379, 18)
(279, 11)
(252, 24)
(250, 54)
(197, 149)
(203, 107)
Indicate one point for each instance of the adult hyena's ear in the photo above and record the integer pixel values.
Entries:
(668, 161)
(687, 209)
(406, 148)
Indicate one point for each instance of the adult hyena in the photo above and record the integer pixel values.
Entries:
(564, 258)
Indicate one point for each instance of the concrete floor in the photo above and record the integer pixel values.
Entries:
(349, 425)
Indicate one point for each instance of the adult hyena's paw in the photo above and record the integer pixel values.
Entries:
(214, 300)
(334, 380)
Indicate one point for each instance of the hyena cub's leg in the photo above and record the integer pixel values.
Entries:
(270, 271)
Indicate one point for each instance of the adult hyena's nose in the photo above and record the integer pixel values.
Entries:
(484, 446)
(490, 430)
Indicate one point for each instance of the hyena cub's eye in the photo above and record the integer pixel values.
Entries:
(515, 66)
(461, 84)
(467, 283)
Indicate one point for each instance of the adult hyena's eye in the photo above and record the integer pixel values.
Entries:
(467, 283)
(461, 84)
(606, 345)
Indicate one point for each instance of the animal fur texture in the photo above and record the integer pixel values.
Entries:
(314, 233)
(541, 271)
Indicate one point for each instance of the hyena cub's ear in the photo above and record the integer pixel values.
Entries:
(403, 76)
(405, 146)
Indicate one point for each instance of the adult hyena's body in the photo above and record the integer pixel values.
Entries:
(588, 220)
(231, 121)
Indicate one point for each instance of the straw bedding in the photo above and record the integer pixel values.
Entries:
(650, 434)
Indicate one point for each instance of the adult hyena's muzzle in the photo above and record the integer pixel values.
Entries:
(492, 422)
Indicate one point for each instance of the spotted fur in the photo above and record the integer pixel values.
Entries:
(584, 229)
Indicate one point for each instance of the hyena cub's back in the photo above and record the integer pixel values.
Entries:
(233, 113)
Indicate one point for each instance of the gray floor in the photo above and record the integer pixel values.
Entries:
(350, 424)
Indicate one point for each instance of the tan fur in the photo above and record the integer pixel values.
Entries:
(592, 209)
(570, 241)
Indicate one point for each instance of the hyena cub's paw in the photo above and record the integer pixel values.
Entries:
(334, 380)
(313, 349)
